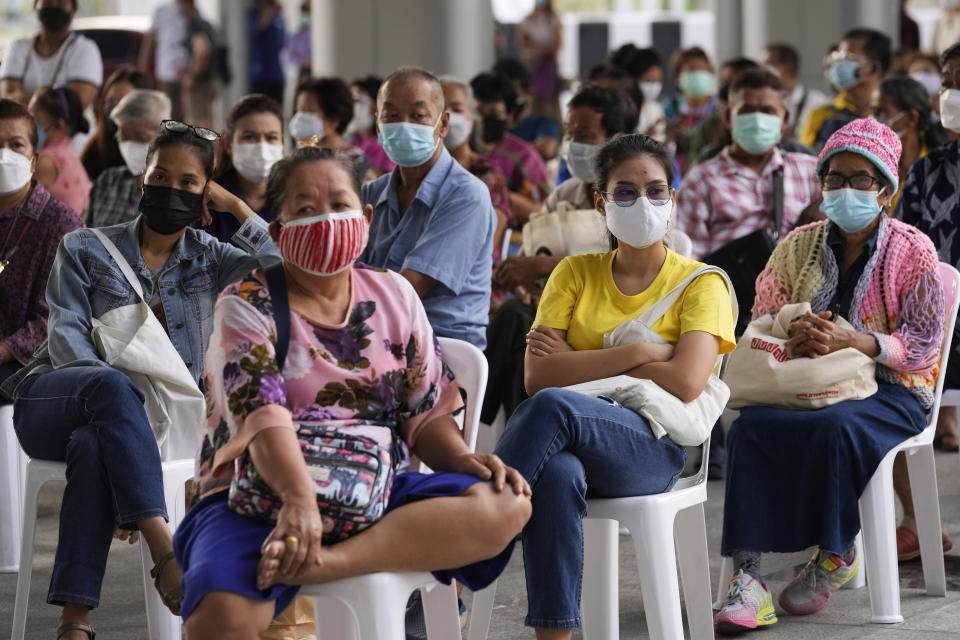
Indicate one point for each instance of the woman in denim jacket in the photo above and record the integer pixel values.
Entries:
(70, 405)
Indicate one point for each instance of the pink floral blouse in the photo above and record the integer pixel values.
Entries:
(377, 373)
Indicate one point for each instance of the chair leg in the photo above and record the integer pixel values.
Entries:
(481, 611)
(653, 540)
(30, 500)
(690, 532)
(877, 518)
(926, 504)
(858, 581)
(440, 611)
(601, 590)
(11, 491)
(723, 579)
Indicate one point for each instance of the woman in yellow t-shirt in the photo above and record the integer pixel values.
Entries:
(568, 445)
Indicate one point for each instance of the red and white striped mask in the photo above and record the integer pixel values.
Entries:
(324, 245)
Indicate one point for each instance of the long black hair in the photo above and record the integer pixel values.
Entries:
(202, 149)
(910, 95)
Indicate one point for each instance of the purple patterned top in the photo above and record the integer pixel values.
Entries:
(23, 284)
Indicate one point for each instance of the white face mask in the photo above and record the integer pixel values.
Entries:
(362, 121)
(304, 125)
(651, 90)
(15, 171)
(253, 161)
(581, 160)
(458, 130)
(641, 224)
(134, 155)
(950, 109)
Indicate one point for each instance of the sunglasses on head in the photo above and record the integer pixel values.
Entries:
(176, 126)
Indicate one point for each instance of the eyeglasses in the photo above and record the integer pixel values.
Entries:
(182, 127)
(860, 182)
(626, 196)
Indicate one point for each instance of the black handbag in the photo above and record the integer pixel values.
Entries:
(745, 258)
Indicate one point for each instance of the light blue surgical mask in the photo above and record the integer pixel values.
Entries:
(408, 144)
(757, 132)
(41, 137)
(843, 73)
(850, 209)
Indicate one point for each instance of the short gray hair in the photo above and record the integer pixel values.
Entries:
(141, 104)
(408, 74)
(457, 82)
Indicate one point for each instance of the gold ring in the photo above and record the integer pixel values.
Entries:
(292, 540)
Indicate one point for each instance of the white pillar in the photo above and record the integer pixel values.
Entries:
(233, 25)
(465, 38)
(728, 29)
(324, 37)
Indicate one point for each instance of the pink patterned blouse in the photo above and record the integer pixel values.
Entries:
(378, 372)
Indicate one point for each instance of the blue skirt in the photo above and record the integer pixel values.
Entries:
(794, 478)
(219, 550)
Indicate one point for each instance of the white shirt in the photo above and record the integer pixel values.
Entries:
(77, 60)
(169, 30)
(814, 99)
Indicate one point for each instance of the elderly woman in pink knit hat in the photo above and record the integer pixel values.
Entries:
(794, 477)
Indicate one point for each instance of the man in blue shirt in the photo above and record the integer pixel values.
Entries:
(433, 221)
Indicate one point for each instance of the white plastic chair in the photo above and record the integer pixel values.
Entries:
(375, 604)
(161, 624)
(11, 490)
(877, 515)
(656, 522)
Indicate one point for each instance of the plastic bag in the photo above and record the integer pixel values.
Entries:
(295, 623)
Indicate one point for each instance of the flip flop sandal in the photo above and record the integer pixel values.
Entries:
(171, 599)
(76, 626)
(908, 545)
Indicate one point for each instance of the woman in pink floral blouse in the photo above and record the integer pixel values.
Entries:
(361, 360)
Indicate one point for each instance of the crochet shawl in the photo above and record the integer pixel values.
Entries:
(898, 299)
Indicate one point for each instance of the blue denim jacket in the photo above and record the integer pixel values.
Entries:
(85, 283)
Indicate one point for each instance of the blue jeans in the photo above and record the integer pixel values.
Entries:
(569, 447)
(93, 419)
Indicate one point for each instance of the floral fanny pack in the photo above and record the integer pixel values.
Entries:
(352, 473)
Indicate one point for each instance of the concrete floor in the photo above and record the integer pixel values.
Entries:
(121, 616)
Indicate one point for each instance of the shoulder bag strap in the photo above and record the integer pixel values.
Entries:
(125, 267)
(777, 204)
(280, 307)
(659, 308)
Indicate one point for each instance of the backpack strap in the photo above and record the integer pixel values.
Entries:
(280, 307)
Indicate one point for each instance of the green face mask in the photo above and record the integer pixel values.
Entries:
(756, 133)
(697, 84)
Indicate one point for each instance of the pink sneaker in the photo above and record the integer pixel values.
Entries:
(748, 605)
(816, 583)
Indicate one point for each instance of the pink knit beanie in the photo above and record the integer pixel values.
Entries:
(871, 139)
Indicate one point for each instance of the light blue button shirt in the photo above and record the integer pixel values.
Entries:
(447, 234)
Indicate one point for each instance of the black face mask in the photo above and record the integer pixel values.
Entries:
(494, 128)
(167, 210)
(54, 18)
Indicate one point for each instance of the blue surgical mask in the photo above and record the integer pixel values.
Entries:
(850, 209)
(41, 137)
(757, 132)
(408, 144)
(697, 84)
(843, 73)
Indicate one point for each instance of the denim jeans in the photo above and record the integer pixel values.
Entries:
(569, 447)
(93, 419)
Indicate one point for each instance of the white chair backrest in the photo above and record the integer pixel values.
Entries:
(469, 366)
(951, 299)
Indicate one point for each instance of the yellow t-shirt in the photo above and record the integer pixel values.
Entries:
(819, 116)
(582, 298)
